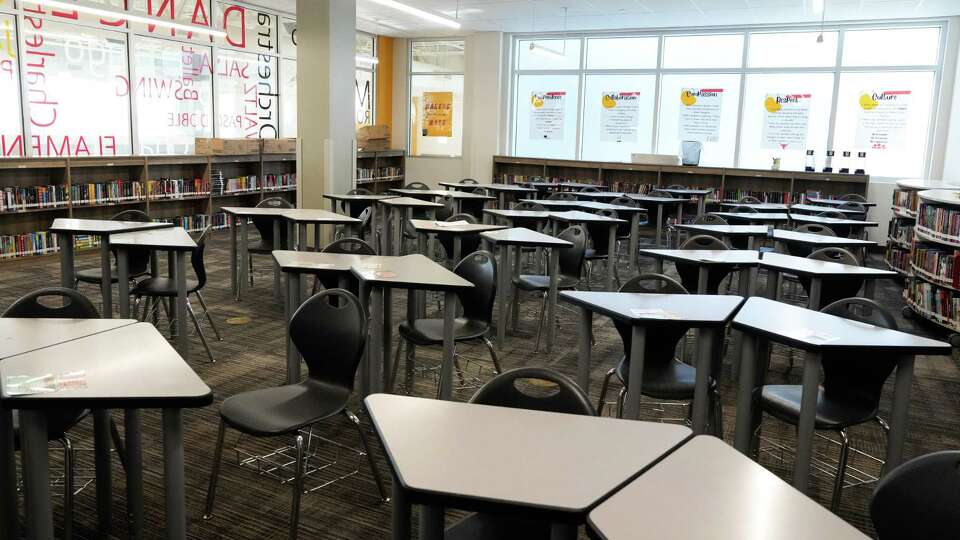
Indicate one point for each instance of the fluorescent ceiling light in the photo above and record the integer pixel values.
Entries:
(817, 6)
(364, 59)
(113, 14)
(538, 49)
(425, 15)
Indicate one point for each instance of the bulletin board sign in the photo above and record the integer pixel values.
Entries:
(438, 114)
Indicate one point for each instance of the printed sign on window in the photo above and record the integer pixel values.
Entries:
(882, 119)
(546, 115)
(619, 115)
(438, 114)
(700, 114)
(785, 121)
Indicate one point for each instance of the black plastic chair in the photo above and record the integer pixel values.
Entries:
(59, 303)
(449, 208)
(468, 181)
(919, 499)
(474, 207)
(624, 201)
(590, 189)
(570, 266)
(329, 330)
(709, 219)
(749, 199)
(660, 193)
(468, 242)
(851, 388)
(799, 250)
(744, 209)
(861, 210)
(264, 226)
(855, 197)
(843, 231)
(534, 224)
(478, 268)
(417, 185)
(138, 259)
(349, 246)
(600, 240)
(690, 273)
(356, 207)
(160, 290)
(834, 288)
(562, 196)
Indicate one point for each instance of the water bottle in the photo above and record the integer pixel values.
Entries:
(828, 164)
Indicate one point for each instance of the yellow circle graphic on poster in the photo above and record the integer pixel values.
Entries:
(608, 102)
(771, 104)
(867, 102)
(536, 101)
(687, 98)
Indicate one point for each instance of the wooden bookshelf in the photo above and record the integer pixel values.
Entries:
(380, 171)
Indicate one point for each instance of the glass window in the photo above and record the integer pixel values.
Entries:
(548, 54)
(246, 95)
(891, 47)
(437, 56)
(363, 97)
(193, 12)
(11, 128)
(784, 114)
(700, 107)
(618, 116)
(288, 98)
(364, 44)
(247, 28)
(546, 116)
(709, 51)
(174, 95)
(887, 115)
(792, 49)
(622, 53)
(84, 74)
(436, 114)
(288, 37)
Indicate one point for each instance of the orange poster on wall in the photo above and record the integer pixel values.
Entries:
(438, 114)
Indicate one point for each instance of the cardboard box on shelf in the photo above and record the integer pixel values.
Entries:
(279, 146)
(654, 159)
(225, 147)
(379, 131)
(373, 145)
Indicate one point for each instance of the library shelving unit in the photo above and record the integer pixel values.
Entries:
(897, 254)
(933, 289)
(729, 184)
(381, 170)
(186, 190)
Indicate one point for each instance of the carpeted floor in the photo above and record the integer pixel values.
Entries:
(252, 356)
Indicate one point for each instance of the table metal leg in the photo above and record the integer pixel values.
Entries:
(457, 250)
(808, 413)
(515, 305)
(106, 282)
(276, 266)
(701, 399)
(103, 463)
(748, 367)
(387, 335)
(870, 288)
(183, 343)
(773, 284)
(377, 316)
(898, 418)
(36, 475)
(503, 293)
(702, 275)
(633, 259)
(421, 296)
(231, 224)
(611, 256)
(398, 225)
(585, 330)
(446, 370)
(563, 531)
(431, 522)
(302, 243)
(173, 474)
(65, 242)
(659, 225)
(123, 283)
(816, 284)
(638, 343)
(552, 296)
(657, 264)
(244, 257)
(8, 478)
(134, 454)
(292, 303)
(400, 518)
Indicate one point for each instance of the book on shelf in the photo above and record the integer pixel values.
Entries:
(937, 300)
(940, 219)
(938, 262)
(220, 186)
(26, 244)
(379, 173)
(773, 197)
(898, 258)
(900, 231)
(906, 199)
(19, 198)
(106, 192)
(277, 182)
(176, 188)
(197, 222)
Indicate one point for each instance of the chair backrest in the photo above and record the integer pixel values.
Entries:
(855, 197)
(66, 304)
(463, 217)
(676, 186)
(479, 268)
(449, 207)
(357, 207)
(562, 196)
(660, 193)
(264, 224)
(624, 201)
(834, 254)
(275, 202)
(600, 232)
(815, 228)
(858, 377)
(330, 332)
(138, 259)
(196, 257)
(709, 219)
(660, 350)
(749, 199)
(833, 214)
(590, 189)
(571, 258)
(416, 185)
(349, 246)
(469, 181)
(132, 215)
(653, 284)
(480, 191)
(703, 241)
(861, 210)
(746, 209)
(919, 499)
(561, 396)
(529, 205)
(359, 191)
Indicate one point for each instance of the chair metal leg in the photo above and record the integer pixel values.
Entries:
(206, 312)
(215, 471)
(203, 339)
(841, 472)
(543, 313)
(297, 490)
(68, 479)
(250, 268)
(366, 450)
(603, 390)
(717, 414)
(589, 266)
(396, 367)
(620, 398)
(493, 354)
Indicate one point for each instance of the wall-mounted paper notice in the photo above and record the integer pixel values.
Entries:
(785, 121)
(699, 117)
(619, 115)
(883, 119)
(546, 115)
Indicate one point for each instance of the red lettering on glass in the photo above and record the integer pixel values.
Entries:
(123, 86)
(81, 147)
(243, 26)
(200, 9)
(14, 148)
(165, 4)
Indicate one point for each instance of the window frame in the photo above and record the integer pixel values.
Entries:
(409, 105)
(372, 69)
(837, 69)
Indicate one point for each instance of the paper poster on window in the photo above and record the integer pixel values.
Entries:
(546, 115)
(785, 121)
(700, 114)
(882, 119)
(619, 115)
(438, 114)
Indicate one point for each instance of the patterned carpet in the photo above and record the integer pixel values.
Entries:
(252, 356)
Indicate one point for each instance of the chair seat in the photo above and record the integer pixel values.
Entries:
(783, 402)
(670, 380)
(283, 409)
(94, 275)
(162, 286)
(488, 527)
(537, 282)
(59, 421)
(430, 331)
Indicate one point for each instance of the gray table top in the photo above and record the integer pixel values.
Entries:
(818, 209)
(103, 226)
(442, 193)
(580, 185)
(657, 200)
(410, 202)
(453, 227)
(537, 214)
(520, 236)
(692, 310)
(727, 230)
(132, 366)
(813, 267)
(759, 207)
(553, 203)
(818, 239)
(773, 217)
(491, 187)
(370, 197)
(408, 272)
(313, 261)
(838, 202)
(253, 211)
(706, 489)
(317, 215)
(169, 239)
(801, 218)
(600, 194)
(688, 191)
(706, 257)
(18, 336)
(620, 209)
(516, 457)
(576, 216)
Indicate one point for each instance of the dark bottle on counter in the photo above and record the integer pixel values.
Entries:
(861, 163)
(828, 163)
(845, 163)
(811, 163)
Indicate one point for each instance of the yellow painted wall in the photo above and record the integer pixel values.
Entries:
(384, 94)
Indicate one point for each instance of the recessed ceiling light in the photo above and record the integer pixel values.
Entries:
(417, 12)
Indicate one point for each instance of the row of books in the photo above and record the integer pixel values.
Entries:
(938, 300)
(198, 222)
(938, 262)
(900, 231)
(275, 182)
(898, 258)
(906, 199)
(39, 243)
(380, 172)
(940, 219)
(774, 197)
(106, 192)
(176, 188)
(19, 198)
